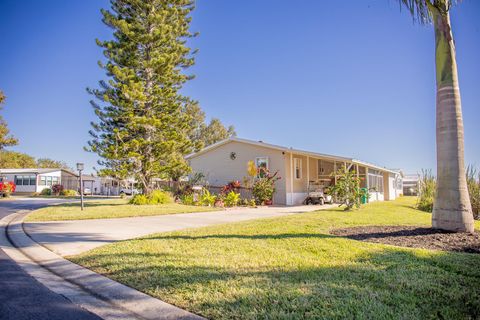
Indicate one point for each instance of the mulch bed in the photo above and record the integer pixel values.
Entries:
(414, 237)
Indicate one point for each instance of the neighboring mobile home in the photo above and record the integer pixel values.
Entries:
(35, 180)
(227, 160)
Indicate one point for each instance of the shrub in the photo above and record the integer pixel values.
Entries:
(46, 192)
(207, 198)
(139, 200)
(347, 189)
(69, 193)
(264, 187)
(154, 198)
(159, 197)
(428, 185)
(426, 191)
(252, 203)
(231, 186)
(232, 199)
(57, 189)
(186, 187)
(473, 183)
(7, 188)
(187, 199)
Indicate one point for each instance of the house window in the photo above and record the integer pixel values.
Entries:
(375, 180)
(43, 181)
(320, 169)
(19, 180)
(262, 166)
(54, 180)
(297, 165)
(25, 180)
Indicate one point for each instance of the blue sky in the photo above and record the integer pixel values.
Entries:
(353, 78)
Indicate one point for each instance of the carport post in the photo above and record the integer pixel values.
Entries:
(335, 171)
(291, 178)
(80, 169)
(308, 173)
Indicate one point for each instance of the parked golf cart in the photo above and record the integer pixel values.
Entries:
(317, 194)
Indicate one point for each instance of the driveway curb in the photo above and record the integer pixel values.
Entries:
(123, 297)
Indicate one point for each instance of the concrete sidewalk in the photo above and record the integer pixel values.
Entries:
(74, 237)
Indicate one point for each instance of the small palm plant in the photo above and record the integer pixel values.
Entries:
(347, 189)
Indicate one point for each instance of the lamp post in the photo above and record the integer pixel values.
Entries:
(80, 169)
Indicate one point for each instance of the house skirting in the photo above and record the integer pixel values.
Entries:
(296, 198)
(376, 196)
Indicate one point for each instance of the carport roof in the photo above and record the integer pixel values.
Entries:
(289, 150)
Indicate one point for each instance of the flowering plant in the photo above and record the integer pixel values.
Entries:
(231, 186)
(6, 188)
(57, 189)
(264, 187)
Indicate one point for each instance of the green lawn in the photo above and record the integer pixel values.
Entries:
(104, 209)
(291, 268)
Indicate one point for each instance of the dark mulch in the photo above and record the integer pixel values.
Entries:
(414, 237)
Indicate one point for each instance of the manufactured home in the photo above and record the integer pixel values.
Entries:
(227, 160)
(35, 180)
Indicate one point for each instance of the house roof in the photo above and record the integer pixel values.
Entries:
(286, 149)
(33, 170)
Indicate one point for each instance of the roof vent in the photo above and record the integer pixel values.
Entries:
(260, 141)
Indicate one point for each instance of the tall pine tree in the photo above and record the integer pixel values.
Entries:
(141, 130)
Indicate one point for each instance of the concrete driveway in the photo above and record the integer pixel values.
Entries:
(74, 237)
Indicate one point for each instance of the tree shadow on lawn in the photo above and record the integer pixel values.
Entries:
(91, 204)
(242, 236)
(386, 283)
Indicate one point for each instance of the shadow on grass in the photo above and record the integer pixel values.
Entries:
(386, 284)
(88, 204)
(244, 236)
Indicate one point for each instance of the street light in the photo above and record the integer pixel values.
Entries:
(80, 169)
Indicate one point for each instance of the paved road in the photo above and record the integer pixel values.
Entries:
(74, 237)
(21, 296)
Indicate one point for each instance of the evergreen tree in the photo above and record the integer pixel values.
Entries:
(141, 130)
(216, 131)
(196, 124)
(200, 133)
(5, 138)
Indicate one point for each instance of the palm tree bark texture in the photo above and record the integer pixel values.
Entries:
(452, 210)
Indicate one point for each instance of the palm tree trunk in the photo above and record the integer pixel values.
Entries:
(452, 209)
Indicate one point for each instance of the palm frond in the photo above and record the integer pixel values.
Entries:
(420, 9)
